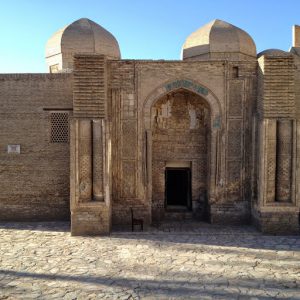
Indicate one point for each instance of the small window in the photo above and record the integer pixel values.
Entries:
(54, 68)
(59, 127)
(235, 72)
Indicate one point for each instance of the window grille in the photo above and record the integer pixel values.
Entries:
(59, 127)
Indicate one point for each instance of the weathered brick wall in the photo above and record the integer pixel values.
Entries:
(297, 102)
(277, 87)
(89, 94)
(90, 148)
(35, 183)
(277, 207)
(127, 187)
(233, 207)
(131, 83)
(234, 213)
(297, 85)
(277, 222)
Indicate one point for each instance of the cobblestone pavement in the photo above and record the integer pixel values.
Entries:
(42, 261)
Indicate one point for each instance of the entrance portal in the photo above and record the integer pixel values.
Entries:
(180, 147)
(178, 188)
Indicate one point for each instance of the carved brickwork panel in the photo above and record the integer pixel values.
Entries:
(236, 90)
(235, 139)
(129, 179)
(85, 160)
(129, 139)
(271, 127)
(128, 106)
(234, 162)
(234, 180)
(284, 160)
(98, 167)
(125, 144)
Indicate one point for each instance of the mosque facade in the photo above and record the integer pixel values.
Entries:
(214, 136)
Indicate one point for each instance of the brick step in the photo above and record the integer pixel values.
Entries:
(178, 215)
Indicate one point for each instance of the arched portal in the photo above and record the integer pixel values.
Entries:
(182, 148)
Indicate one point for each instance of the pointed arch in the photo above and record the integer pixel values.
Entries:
(191, 86)
(215, 165)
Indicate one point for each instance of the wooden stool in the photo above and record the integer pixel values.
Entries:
(134, 221)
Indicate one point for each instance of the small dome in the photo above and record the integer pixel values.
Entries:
(273, 52)
(215, 38)
(82, 36)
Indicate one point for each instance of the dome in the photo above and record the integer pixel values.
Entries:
(273, 52)
(82, 36)
(217, 38)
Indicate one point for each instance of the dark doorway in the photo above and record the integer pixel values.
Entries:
(178, 187)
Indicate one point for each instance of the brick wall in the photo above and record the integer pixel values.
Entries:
(35, 183)
(132, 83)
(272, 222)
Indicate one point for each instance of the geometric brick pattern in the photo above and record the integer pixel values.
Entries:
(284, 160)
(59, 127)
(235, 139)
(235, 98)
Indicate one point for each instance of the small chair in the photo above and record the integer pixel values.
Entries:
(134, 221)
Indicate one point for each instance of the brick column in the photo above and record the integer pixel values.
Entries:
(270, 157)
(284, 161)
(90, 160)
(85, 160)
(98, 194)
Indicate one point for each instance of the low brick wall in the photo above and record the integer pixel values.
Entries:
(281, 223)
(230, 213)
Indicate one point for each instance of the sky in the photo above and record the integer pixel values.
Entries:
(145, 29)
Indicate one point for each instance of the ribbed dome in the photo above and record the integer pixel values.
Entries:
(218, 37)
(82, 36)
(273, 52)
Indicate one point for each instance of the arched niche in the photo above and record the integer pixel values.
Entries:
(214, 128)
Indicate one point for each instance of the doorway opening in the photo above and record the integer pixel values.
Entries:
(178, 188)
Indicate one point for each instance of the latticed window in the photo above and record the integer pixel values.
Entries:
(59, 127)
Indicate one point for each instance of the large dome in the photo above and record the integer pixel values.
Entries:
(218, 39)
(82, 36)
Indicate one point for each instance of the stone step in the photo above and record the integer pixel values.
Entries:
(178, 215)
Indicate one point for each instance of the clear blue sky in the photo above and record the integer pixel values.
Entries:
(149, 29)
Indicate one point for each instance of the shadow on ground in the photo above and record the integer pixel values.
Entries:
(168, 288)
(57, 226)
(182, 233)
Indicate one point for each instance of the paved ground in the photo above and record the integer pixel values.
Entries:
(42, 261)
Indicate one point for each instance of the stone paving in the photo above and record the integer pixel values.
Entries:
(42, 261)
